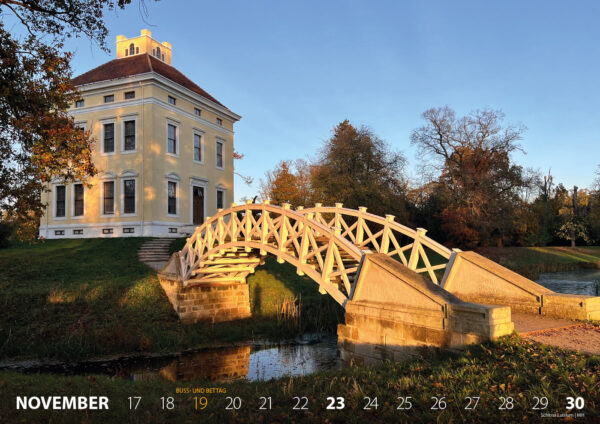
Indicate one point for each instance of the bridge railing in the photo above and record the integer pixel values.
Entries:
(365, 230)
(317, 250)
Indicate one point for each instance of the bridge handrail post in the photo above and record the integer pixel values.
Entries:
(234, 222)
(413, 261)
(185, 269)
(220, 227)
(360, 231)
(304, 243)
(336, 220)
(385, 236)
(328, 263)
(283, 229)
(248, 223)
(318, 217)
(265, 225)
(209, 234)
(300, 209)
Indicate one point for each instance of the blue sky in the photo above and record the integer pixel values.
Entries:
(295, 69)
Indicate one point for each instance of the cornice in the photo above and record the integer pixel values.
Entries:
(206, 103)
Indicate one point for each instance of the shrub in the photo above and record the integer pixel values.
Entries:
(6, 231)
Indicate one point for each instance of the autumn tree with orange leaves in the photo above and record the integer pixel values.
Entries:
(289, 182)
(39, 141)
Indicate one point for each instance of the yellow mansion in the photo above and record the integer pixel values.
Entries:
(164, 150)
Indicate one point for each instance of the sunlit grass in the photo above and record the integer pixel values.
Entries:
(532, 261)
(76, 299)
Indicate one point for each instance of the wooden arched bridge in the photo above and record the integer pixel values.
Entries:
(400, 289)
(325, 243)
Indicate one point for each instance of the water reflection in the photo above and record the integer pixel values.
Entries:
(585, 282)
(215, 365)
(253, 362)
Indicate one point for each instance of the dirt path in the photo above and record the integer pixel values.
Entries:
(558, 332)
(580, 337)
(527, 323)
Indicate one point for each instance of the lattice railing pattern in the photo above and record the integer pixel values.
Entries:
(325, 243)
(367, 231)
(227, 246)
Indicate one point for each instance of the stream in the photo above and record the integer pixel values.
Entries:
(260, 361)
(585, 282)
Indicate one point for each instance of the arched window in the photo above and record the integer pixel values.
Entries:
(131, 49)
(158, 52)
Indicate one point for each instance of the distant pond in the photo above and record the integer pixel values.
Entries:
(586, 282)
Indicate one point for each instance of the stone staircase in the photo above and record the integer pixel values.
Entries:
(155, 253)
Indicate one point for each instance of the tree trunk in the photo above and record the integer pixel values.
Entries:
(574, 216)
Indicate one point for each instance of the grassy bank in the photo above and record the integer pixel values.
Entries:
(532, 261)
(77, 299)
(511, 367)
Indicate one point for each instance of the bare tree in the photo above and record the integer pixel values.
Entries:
(471, 155)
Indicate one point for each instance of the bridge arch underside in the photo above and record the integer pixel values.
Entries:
(232, 263)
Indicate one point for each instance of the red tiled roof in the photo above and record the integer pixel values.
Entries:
(139, 64)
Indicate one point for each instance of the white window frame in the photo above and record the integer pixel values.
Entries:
(102, 123)
(128, 119)
(73, 216)
(222, 190)
(177, 196)
(79, 100)
(197, 182)
(115, 209)
(222, 142)
(54, 198)
(122, 197)
(200, 134)
(177, 137)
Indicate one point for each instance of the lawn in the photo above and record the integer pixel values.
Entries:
(511, 368)
(532, 261)
(78, 299)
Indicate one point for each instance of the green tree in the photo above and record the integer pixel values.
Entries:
(357, 168)
(39, 141)
(575, 213)
(544, 212)
(594, 213)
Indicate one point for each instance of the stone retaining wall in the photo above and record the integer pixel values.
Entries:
(374, 332)
(207, 302)
(395, 314)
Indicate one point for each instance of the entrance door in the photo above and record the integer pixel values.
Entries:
(198, 205)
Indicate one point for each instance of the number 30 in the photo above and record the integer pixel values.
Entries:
(578, 403)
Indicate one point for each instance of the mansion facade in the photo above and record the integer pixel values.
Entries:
(164, 150)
